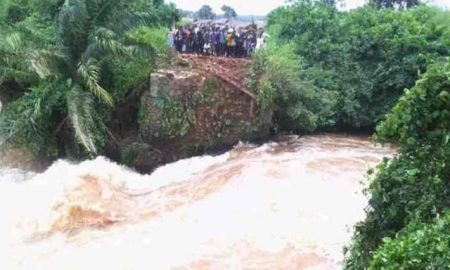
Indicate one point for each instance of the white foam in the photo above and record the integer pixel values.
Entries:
(254, 207)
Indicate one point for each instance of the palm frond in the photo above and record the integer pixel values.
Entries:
(89, 74)
(14, 42)
(99, 9)
(14, 59)
(93, 51)
(105, 40)
(11, 46)
(36, 35)
(48, 63)
(11, 74)
(27, 121)
(72, 27)
(87, 127)
(139, 50)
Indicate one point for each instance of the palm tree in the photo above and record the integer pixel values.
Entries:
(16, 49)
(69, 69)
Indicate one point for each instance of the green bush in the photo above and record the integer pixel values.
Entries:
(156, 37)
(126, 75)
(422, 116)
(31, 120)
(414, 185)
(368, 56)
(417, 247)
(284, 89)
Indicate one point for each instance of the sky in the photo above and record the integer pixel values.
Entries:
(262, 7)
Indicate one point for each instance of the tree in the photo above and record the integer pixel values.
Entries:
(229, 12)
(206, 13)
(65, 106)
(368, 55)
(284, 90)
(395, 3)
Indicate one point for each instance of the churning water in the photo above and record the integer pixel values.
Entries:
(286, 205)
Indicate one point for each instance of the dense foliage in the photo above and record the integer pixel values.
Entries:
(368, 56)
(287, 93)
(415, 185)
(64, 64)
(418, 247)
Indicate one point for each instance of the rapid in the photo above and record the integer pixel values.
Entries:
(289, 204)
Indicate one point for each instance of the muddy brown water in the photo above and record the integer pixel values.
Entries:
(286, 205)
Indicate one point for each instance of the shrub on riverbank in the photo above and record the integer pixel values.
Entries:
(417, 247)
(287, 93)
(414, 186)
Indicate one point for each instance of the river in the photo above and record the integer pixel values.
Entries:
(284, 205)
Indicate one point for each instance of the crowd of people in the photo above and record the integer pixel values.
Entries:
(215, 40)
